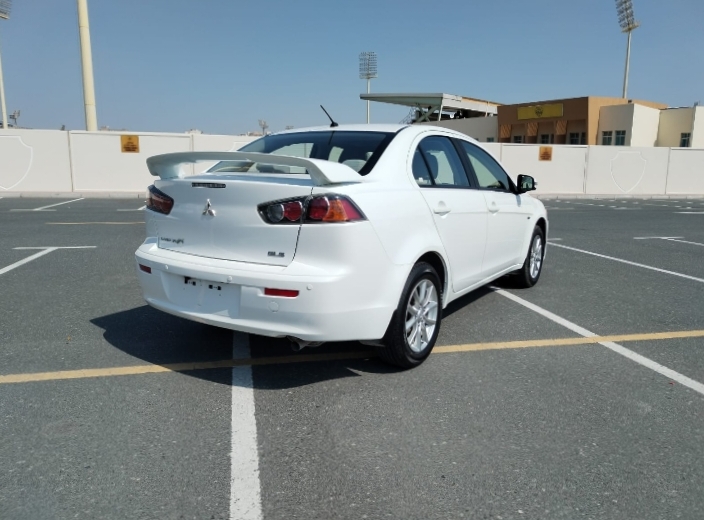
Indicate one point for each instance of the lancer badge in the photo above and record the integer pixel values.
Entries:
(208, 210)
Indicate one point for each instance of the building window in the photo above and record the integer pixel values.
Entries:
(547, 138)
(574, 138)
(489, 139)
(606, 138)
(517, 138)
(685, 138)
(620, 138)
(583, 138)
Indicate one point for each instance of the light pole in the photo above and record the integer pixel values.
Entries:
(87, 66)
(368, 71)
(5, 6)
(628, 23)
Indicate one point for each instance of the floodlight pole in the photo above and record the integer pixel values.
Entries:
(369, 87)
(628, 66)
(87, 66)
(2, 99)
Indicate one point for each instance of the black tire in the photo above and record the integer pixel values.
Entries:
(525, 277)
(397, 350)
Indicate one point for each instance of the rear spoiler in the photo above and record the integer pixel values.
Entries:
(168, 166)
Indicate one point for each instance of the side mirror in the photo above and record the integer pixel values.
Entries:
(526, 183)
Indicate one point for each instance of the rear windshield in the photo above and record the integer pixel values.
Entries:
(358, 150)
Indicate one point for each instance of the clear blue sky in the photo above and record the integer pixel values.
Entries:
(220, 65)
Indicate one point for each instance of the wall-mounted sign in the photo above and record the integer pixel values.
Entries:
(545, 153)
(129, 143)
(540, 111)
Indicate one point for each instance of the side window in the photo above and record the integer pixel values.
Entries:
(489, 173)
(420, 170)
(441, 162)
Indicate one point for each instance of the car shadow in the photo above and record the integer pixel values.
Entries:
(157, 338)
(161, 339)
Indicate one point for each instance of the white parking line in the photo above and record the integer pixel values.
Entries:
(137, 209)
(245, 491)
(26, 260)
(615, 347)
(670, 239)
(44, 251)
(45, 208)
(690, 212)
(636, 264)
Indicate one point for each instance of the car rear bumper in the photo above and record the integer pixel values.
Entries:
(337, 305)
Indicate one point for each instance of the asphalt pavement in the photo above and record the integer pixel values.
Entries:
(111, 409)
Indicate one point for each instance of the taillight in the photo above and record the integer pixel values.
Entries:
(159, 201)
(317, 209)
(145, 268)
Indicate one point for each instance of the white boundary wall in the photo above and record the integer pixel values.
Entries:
(52, 162)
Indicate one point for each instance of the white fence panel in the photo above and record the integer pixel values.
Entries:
(99, 164)
(686, 172)
(617, 170)
(493, 148)
(563, 174)
(34, 160)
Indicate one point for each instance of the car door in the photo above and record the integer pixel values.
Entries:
(508, 213)
(458, 210)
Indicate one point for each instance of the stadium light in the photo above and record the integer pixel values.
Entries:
(87, 66)
(368, 71)
(628, 23)
(5, 6)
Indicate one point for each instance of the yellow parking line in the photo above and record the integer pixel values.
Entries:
(333, 356)
(88, 223)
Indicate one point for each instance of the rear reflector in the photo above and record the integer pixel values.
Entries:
(284, 293)
(145, 268)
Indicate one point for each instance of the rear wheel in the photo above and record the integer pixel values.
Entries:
(529, 274)
(415, 325)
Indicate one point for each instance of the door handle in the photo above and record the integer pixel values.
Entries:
(442, 209)
(493, 207)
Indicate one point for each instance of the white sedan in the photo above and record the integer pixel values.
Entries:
(359, 232)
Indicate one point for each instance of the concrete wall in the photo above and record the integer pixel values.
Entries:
(37, 162)
(563, 174)
(685, 172)
(100, 165)
(479, 128)
(617, 170)
(52, 161)
(34, 160)
(673, 123)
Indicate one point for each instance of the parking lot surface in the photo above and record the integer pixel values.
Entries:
(579, 398)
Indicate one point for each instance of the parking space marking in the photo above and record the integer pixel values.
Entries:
(137, 209)
(241, 359)
(615, 347)
(670, 239)
(628, 262)
(689, 212)
(91, 223)
(245, 490)
(46, 208)
(45, 251)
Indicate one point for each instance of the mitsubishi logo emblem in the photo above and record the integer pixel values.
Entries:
(208, 210)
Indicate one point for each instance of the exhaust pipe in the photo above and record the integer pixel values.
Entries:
(298, 344)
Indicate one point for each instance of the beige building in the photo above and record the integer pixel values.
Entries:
(586, 120)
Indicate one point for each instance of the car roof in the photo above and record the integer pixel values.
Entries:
(417, 129)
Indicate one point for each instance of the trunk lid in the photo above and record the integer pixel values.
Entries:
(216, 216)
